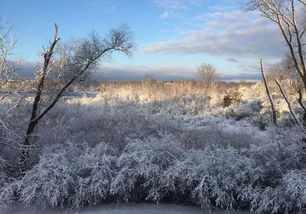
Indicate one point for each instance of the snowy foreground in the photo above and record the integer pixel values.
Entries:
(216, 152)
(130, 209)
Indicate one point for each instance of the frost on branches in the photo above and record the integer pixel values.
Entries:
(102, 150)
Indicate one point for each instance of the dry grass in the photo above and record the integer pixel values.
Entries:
(158, 91)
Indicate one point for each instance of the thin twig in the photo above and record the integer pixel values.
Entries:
(288, 103)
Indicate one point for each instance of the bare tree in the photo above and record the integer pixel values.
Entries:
(71, 62)
(208, 74)
(285, 71)
(284, 14)
(275, 72)
(7, 69)
(289, 16)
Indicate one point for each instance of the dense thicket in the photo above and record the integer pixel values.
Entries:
(90, 151)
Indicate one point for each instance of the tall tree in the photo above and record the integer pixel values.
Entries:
(67, 64)
(289, 16)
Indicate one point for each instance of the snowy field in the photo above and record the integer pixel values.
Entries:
(169, 143)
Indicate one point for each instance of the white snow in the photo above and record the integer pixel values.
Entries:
(128, 209)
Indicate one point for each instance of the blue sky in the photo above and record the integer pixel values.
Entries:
(173, 37)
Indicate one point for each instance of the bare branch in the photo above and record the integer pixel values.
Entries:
(303, 2)
(283, 13)
(70, 63)
(302, 33)
(288, 103)
(274, 118)
(7, 68)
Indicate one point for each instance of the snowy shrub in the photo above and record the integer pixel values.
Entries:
(246, 110)
(7, 195)
(230, 98)
(219, 135)
(70, 175)
(220, 174)
(6, 187)
(288, 197)
(97, 123)
(49, 183)
(281, 165)
(141, 167)
(3, 176)
(165, 148)
(96, 169)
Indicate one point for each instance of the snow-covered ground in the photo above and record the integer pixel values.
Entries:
(129, 209)
(156, 145)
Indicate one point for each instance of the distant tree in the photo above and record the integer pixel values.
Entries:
(284, 70)
(276, 72)
(65, 64)
(208, 74)
(148, 77)
(149, 80)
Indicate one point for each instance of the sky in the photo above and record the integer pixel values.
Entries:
(173, 37)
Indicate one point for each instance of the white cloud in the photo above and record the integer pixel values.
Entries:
(169, 14)
(172, 7)
(178, 4)
(171, 4)
(231, 59)
(231, 34)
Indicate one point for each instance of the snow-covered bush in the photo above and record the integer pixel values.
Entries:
(266, 177)
(231, 97)
(7, 196)
(6, 187)
(245, 110)
(215, 176)
(69, 175)
(288, 197)
(95, 170)
(217, 135)
(282, 189)
(49, 183)
(165, 148)
(3, 176)
(142, 165)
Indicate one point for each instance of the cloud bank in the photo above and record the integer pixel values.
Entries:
(135, 73)
(231, 34)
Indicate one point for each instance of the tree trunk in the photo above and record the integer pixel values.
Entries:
(274, 118)
(33, 120)
(24, 158)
